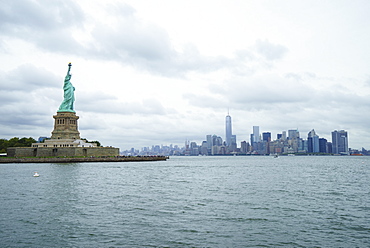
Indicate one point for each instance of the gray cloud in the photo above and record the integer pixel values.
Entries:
(27, 78)
(148, 47)
(44, 23)
(48, 25)
(27, 96)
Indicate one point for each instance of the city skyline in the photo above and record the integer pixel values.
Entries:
(286, 142)
(145, 73)
(282, 145)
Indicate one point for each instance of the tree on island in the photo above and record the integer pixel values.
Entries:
(95, 141)
(16, 142)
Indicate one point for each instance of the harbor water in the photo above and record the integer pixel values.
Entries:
(239, 201)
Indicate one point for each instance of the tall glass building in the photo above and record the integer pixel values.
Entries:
(256, 134)
(228, 130)
(339, 142)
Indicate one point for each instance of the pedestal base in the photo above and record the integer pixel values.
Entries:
(65, 126)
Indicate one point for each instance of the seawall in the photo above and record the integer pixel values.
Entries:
(83, 160)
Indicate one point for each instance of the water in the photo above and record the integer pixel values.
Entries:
(188, 202)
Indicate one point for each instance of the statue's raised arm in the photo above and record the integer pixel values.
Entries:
(68, 102)
(69, 71)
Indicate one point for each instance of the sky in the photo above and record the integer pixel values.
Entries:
(163, 72)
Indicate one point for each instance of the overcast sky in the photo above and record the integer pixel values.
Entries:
(160, 72)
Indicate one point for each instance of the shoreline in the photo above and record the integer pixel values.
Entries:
(8, 160)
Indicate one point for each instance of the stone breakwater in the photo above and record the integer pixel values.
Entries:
(83, 160)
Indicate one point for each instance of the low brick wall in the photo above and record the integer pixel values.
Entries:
(62, 151)
(83, 160)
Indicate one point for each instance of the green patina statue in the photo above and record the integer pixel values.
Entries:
(69, 97)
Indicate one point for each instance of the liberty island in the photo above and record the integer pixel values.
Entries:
(65, 141)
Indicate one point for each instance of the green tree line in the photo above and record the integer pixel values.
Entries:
(15, 142)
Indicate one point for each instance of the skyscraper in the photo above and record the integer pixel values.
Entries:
(283, 135)
(339, 142)
(233, 143)
(228, 130)
(266, 136)
(294, 139)
(209, 143)
(293, 134)
(313, 141)
(323, 145)
(256, 134)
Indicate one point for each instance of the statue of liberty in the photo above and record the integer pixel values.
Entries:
(69, 98)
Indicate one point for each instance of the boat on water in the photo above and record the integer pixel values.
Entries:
(36, 174)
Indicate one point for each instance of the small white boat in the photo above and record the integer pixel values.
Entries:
(36, 174)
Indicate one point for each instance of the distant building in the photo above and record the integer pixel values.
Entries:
(216, 140)
(313, 142)
(340, 142)
(266, 136)
(194, 148)
(244, 147)
(41, 139)
(302, 145)
(204, 148)
(323, 145)
(228, 130)
(209, 143)
(283, 135)
(256, 134)
(252, 139)
(329, 146)
(293, 134)
(233, 145)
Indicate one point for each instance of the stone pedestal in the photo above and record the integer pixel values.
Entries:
(65, 126)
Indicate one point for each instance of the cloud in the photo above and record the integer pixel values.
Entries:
(270, 51)
(26, 90)
(114, 106)
(43, 23)
(130, 42)
(28, 15)
(367, 82)
(148, 47)
(59, 26)
(205, 101)
(27, 96)
(27, 78)
(257, 92)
